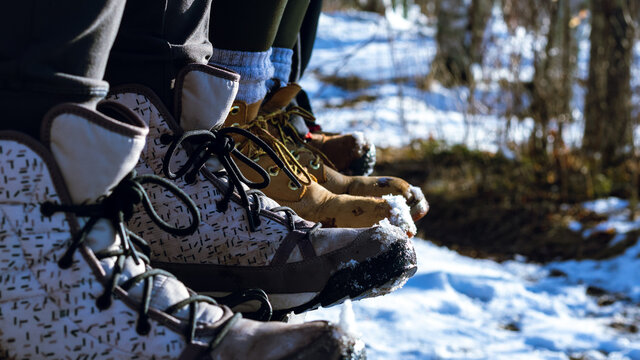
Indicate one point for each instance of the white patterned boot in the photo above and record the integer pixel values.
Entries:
(73, 285)
(247, 240)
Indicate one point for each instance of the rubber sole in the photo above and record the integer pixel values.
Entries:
(373, 277)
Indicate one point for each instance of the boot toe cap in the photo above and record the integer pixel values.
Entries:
(417, 203)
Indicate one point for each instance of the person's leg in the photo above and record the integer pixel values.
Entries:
(282, 50)
(77, 175)
(156, 40)
(242, 33)
(53, 52)
(307, 39)
(245, 25)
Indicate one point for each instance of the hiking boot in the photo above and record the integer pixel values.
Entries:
(74, 286)
(310, 200)
(247, 240)
(350, 153)
(318, 164)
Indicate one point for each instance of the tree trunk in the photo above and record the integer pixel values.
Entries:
(376, 6)
(460, 30)
(479, 14)
(551, 89)
(608, 131)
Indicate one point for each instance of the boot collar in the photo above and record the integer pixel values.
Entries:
(93, 150)
(241, 113)
(280, 98)
(203, 96)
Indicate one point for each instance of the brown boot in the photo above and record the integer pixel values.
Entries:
(318, 164)
(310, 200)
(351, 153)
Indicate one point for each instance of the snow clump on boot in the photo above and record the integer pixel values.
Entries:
(400, 214)
(362, 142)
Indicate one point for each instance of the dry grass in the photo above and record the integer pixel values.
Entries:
(485, 205)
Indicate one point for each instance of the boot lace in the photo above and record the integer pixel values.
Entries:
(289, 136)
(205, 144)
(118, 207)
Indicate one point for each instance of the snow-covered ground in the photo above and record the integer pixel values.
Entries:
(382, 50)
(457, 307)
(461, 308)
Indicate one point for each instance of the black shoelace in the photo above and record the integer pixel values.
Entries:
(203, 145)
(117, 208)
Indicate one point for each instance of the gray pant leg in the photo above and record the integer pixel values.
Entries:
(53, 51)
(156, 39)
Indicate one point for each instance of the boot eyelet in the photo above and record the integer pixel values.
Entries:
(234, 110)
(166, 139)
(235, 124)
(315, 165)
(293, 186)
(274, 170)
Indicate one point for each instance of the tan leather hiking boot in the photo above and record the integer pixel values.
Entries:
(351, 153)
(318, 164)
(74, 286)
(310, 200)
(246, 240)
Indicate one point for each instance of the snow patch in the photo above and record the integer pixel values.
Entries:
(574, 226)
(362, 142)
(617, 239)
(416, 193)
(457, 307)
(387, 233)
(348, 318)
(605, 206)
(349, 264)
(400, 213)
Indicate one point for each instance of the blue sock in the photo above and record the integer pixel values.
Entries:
(281, 60)
(254, 69)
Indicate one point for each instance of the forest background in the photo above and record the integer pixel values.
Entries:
(519, 120)
(565, 101)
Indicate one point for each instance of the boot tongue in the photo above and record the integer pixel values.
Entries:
(280, 98)
(204, 95)
(94, 151)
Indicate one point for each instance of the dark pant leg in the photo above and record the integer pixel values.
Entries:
(53, 51)
(245, 25)
(306, 40)
(290, 24)
(157, 38)
(304, 48)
